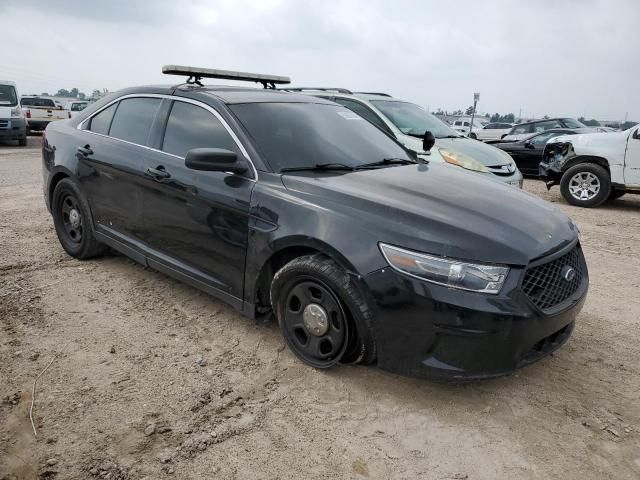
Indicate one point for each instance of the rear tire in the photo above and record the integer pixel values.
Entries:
(586, 185)
(72, 221)
(22, 142)
(318, 280)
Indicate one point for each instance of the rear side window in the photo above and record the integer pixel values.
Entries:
(520, 129)
(190, 126)
(133, 118)
(101, 122)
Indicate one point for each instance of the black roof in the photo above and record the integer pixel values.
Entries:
(225, 93)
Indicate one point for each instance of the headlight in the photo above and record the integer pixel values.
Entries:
(447, 272)
(462, 160)
(16, 112)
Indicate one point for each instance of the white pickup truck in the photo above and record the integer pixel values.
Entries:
(592, 168)
(40, 111)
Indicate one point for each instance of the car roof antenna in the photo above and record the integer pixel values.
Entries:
(196, 74)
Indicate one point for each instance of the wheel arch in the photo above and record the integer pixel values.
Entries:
(57, 174)
(280, 252)
(586, 159)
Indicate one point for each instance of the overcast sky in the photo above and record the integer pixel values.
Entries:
(555, 57)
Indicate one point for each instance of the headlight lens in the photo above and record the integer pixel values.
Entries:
(462, 160)
(447, 272)
(16, 112)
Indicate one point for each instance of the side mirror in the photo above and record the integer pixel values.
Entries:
(214, 160)
(636, 135)
(428, 141)
(528, 144)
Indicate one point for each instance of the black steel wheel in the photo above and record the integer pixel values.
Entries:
(72, 221)
(314, 323)
(323, 316)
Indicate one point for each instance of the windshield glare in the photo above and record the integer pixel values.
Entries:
(8, 97)
(293, 135)
(413, 120)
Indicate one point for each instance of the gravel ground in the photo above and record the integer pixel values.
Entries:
(154, 379)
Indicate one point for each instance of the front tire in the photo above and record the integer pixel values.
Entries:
(586, 185)
(322, 314)
(72, 221)
(473, 136)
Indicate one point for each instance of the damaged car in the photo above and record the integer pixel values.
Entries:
(592, 168)
(291, 206)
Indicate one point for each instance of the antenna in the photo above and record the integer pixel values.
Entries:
(196, 74)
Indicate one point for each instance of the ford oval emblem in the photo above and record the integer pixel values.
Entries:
(568, 273)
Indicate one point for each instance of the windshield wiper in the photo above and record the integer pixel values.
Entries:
(385, 162)
(450, 136)
(319, 167)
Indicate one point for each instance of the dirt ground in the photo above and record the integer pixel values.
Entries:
(154, 379)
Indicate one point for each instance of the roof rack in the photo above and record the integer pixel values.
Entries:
(375, 93)
(321, 89)
(196, 74)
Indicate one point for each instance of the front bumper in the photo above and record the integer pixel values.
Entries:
(12, 129)
(429, 331)
(514, 179)
(550, 174)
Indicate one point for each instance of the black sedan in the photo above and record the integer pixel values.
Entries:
(527, 153)
(292, 206)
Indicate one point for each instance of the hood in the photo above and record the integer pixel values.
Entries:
(486, 154)
(610, 145)
(442, 210)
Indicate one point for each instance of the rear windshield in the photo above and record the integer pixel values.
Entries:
(8, 97)
(78, 107)
(292, 135)
(37, 102)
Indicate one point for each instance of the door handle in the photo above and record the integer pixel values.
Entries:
(158, 173)
(84, 151)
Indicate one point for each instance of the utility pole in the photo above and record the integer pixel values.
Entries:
(476, 97)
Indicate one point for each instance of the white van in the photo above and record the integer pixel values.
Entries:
(12, 122)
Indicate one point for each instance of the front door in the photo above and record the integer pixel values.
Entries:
(196, 222)
(632, 159)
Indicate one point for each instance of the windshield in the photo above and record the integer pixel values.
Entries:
(413, 120)
(293, 135)
(8, 97)
(571, 123)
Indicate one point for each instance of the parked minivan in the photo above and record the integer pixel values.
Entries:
(12, 122)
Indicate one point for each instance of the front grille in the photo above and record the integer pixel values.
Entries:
(4, 124)
(502, 170)
(547, 285)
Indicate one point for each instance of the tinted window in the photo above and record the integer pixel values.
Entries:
(37, 102)
(543, 138)
(520, 129)
(363, 111)
(102, 121)
(133, 118)
(491, 126)
(306, 134)
(78, 107)
(8, 96)
(190, 126)
(542, 126)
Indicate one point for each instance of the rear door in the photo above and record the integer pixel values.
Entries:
(111, 160)
(632, 159)
(196, 222)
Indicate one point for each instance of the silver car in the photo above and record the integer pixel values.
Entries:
(407, 123)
